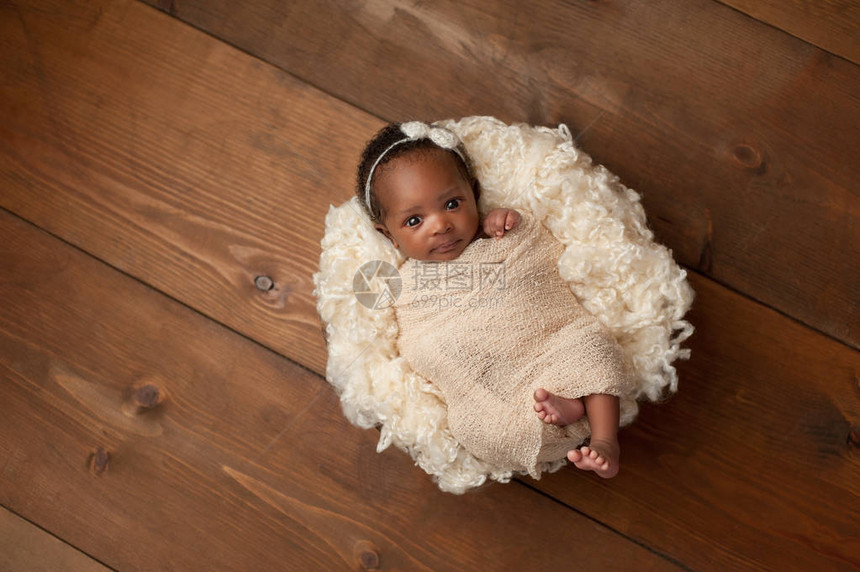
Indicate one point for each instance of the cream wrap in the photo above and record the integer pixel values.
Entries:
(494, 325)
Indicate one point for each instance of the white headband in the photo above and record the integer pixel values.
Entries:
(415, 130)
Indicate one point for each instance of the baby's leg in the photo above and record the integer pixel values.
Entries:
(602, 454)
(557, 410)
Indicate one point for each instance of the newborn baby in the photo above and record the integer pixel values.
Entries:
(484, 314)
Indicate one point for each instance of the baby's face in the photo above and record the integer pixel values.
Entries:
(429, 208)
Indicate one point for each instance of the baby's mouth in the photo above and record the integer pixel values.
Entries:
(447, 247)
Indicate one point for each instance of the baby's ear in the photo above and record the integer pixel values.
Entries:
(382, 229)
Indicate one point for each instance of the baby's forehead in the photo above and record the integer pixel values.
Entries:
(415, 172)
(433, 156)
(420, 163)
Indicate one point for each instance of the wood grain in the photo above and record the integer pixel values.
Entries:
(24, 546)
(741, 138)
(175, 158)
(139, 169)
(754, 463)
(832, 25)
(244, 461)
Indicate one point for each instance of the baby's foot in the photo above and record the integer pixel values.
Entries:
(600, 457)
(557, 410)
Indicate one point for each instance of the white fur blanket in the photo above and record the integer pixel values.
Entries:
(491, 327)
(620, 275)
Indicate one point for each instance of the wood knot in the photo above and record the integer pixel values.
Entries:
(747, 156)
(264, 283)
(367, 555)
(147, 396)
(143, 396)
(99, 461)
(854, 436)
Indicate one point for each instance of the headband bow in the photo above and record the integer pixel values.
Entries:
(415, 130)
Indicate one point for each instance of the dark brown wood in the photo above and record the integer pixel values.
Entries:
(24, 546)
(832, 25)
(750, 464)
(199, 183)
(176, 158)
(247, 464)
(741, 138)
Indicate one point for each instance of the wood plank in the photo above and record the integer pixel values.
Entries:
(754, 463)
(741, 138)
(175, 157)
(140, 223)
(25, 546)
(233, 458)
(833, 25)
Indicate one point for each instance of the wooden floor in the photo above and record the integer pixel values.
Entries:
(158, 411)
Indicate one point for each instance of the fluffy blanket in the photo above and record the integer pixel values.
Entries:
(494, 325)
(610, 260)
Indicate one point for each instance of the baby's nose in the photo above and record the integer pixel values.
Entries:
(442, 224)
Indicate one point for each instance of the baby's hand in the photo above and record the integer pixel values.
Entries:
(498, 221)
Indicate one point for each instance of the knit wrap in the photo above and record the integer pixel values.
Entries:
(494, 325)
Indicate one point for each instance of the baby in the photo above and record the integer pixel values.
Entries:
(417, 185)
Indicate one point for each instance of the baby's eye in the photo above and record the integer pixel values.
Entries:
(452, 204)
(412, 221)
